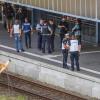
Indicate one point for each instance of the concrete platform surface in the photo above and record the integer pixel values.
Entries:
(89, 57)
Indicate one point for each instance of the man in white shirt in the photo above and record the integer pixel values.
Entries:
(16, 31)
(74, 48)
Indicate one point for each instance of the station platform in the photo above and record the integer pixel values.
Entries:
(89, 57)
(47, 68)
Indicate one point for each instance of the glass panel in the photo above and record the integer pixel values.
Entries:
(89, 31)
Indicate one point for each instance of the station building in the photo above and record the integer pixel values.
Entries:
(86, 10)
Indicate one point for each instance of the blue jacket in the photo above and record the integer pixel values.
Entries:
(26, 27)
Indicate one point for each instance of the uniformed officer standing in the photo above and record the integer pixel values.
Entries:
(63, 25)
(38, 28)
(77, 30)
(74, 48)
(27, 29)
(46, 34)
(65, 49)
(53, 27)
(16, 30)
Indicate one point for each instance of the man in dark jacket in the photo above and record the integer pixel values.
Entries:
(63, 25)
(53, 27)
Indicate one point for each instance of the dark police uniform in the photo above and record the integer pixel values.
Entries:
(65, 50)
(63, 30)
(39, 42)
(53, 27)
(74, 53)
(46, 38)
(77, 31)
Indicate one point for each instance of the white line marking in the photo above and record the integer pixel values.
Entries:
(32, 54)
(82, 53)
(90, 52)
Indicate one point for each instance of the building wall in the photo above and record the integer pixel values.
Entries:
(84, 8)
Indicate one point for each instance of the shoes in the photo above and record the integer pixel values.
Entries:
(43, 51)
(49, 52)
(30, 47)
(17, 50)
(78, 69)
(72, 69)
(22, 50)
(65, 66)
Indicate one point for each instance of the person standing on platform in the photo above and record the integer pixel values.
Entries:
(27, 29)
(46, 35)
(63, 25)
(16, 31)
(19, 15)
(65, 49)
(74, 48)
(53, 27)
(77, 30)
(38, 28)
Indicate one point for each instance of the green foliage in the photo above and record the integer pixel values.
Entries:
(12, 98)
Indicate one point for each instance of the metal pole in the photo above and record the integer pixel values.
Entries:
(97, 23)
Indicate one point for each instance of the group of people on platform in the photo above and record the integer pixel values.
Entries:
(70, 42)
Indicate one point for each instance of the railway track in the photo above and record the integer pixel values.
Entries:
(31, 88)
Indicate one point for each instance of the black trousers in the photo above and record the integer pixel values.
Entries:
(46, 40)
(65, 57)
(74, 56)
(28, 39)
(52, 42)
(62, 35)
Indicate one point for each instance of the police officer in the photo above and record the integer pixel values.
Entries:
(77, 30)
(65, 49)
(46, 34)
(53, 27)
(27, 29)
(38, 28)
(75, 48)
(16, 30)
(63, 25)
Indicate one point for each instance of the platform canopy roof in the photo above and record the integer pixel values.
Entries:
(85, 9)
